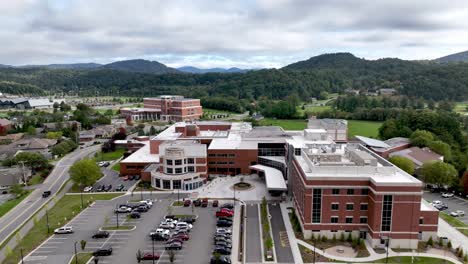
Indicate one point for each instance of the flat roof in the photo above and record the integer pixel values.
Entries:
(142, 155)
(373, 142)
(273, 177)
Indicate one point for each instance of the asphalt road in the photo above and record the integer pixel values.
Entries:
(282, 247)
(112, 177)
(11, 221)
(454, 203)
(253, 247)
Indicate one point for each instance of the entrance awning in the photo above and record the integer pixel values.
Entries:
(274, 178)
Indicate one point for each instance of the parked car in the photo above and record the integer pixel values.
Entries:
(125, 178)
(119, 188)
(457, 213)
(108, 188)
(222, 251)
(204, 202)
(226, 210)
(220, 260)
(223, 223)
(170, 217)
(187, 203)
(159, 231)
(224, 214)
(197, 202)
(159, 237)
(180, 232)
(64, 230)
(223, 244)
(101, 234)
(215, 203)
(225, 218)
(88, 189)
(103, 252)
(222, 239)
(184, 237)
(101, 164)
(447, 195)
(181, 225)
(228, 206)
(225, 236)
(46, 194)
(166, 225)
(175, 239)
(147, 202)
(106, 164)
(170, 221)
(100, 188)
(123, 210)
(141, 209)
(135, 214)
(150, 256)
(188, 220)
(137, 177)
(131, 177)
(436, 202)
(223, 230)
(174, 246)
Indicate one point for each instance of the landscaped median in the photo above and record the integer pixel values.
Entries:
(83, 258)
(455, 223)
(61, 213)
(267, 240)
(10, 204)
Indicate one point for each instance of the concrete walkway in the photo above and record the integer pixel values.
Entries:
(291, 236)
(456, 237)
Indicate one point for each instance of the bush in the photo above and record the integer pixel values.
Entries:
(460, 253)
(449, 245)
(350, 237)
(342, 238)
(441, 242)
(324, 238)
(334, 238)
(430, 242)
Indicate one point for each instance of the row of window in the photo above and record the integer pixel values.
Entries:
(349, 207)
(180, 161)
(180, 170)
(348, 220)
(350, 191)
(223, 155)
(220, 162)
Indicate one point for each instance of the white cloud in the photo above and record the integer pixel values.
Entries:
(227, 33)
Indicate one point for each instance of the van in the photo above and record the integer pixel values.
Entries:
(64, 230)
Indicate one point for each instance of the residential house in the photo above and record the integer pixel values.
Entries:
(387, 91)
(53, 126)
(4, 140)
(10, 176)
(385, 148)
(86, 136)
(418, 155)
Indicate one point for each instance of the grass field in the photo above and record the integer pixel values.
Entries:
(116, 167)
(36, 179)
(83, 257)
(454, 222)
(62, 212)
(460, 107)
(101, 156)
(8, 205)
(286, 124)
(363, 128)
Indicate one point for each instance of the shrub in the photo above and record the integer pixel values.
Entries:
(449, 245)
(441, 242)
(324, 238)
(460, 253)
(350, 237)
(430, 242)
(342, 238)
(334, 238)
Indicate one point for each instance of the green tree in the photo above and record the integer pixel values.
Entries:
(152, 130)
(85, 172)
(31, 130)
(83, 244)
(440, 173)
(17, 189)
(421, 138)
(441, 148)
(54, 135)
(33, 160)
(403, 163)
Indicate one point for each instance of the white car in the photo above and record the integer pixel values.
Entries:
(160, 231)
(88, 189)
(436, 202)
(181, 225)
(223, 230)
(123, 210)
(165, 225)
(447, 195)
(148, 202)
(457, 213)
(64, 230)
(101, 164)
(170, 220)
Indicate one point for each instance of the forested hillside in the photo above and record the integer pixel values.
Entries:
(306, 79)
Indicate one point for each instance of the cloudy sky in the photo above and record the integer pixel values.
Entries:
(243, 33)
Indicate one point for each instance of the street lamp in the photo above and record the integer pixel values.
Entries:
(47, 220)
(117, 215)
(76, 255)
(21, 252)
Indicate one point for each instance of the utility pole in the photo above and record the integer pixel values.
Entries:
(76, 255)
(315, 243)
(117, 215)
(21, 252)
(47, 220)
(388, 242)
(81, 195)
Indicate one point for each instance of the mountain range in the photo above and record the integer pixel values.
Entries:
(456, 57)
(191, 69)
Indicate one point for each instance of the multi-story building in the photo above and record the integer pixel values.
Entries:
(345, 188)
(166, 108)
(335, 129)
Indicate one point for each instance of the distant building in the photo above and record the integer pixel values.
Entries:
(41, 103)
(7, 139)
(5, 126)
(53, 126)
(387, 91)
(385, 148)
(165, 108)
(336, 129)
(38, 145)
(418, 156)
(10, 176)
(86, 136)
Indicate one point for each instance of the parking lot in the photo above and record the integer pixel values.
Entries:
(454, 203)
(112, 177)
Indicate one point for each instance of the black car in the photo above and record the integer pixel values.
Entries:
(101, 234)
(225, 218)
(197, 202)
(159, 237)
(119, 188)
(188, 220)
(224, 223)
(108, 188)
(228, 206)
(137, 177)
(46, 194)
(100, 188)
(222, 239)
(174, 246)
(224, 235)
(222, 251)
(103, 252)
(131, 177)
(141, 209)
(135, 214)
(171, 217)
(223, 244)
(220, 260)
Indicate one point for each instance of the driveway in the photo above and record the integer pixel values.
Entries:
(253, 241)
(282, 247)
(454, 203)
(112, 177)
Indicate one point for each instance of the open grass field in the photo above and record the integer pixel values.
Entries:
(286, 124)
(363, 128)
(62, 212)
(101, 156)
(460, 107)
(8, 205)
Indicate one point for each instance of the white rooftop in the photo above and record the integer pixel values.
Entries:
(273, 177)
(142, 155)
(373, 142)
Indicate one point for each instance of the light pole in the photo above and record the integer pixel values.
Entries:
(21, 252)
(47, 220)
(178, 195)
(117, 215)
(81, 195)
(386, 257)
(76, 255)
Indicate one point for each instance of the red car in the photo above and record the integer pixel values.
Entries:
(187, 203)
(227, 210)
(204, 202)
(150, 256)
(215, 203)
(224, 213)
(125, 178)
(184, 237)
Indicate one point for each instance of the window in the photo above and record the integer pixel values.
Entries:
(211, 155)
(387, 213)
(350, 192)
(178, 162)
(333, 231)
(232, 155)
(349, 219)
(176, 184)
(334, 219)
(316, 205)
(158, 183)
(297, 152)
(169, 170)
(349, 207)
(166, 184)
(421, 221)
(365, 191)
(169, 162)
(191, 169)
(335, 191)
(364, 207)
(335, 207)
(178, 170)
(363, 220)
(190, 161)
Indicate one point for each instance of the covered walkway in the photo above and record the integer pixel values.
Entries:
(273, 178)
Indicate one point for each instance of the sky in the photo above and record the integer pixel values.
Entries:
(242, 33)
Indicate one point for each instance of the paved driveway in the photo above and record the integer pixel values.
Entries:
(253, 247)
(112, 177)
(282, 247)
(454, 203)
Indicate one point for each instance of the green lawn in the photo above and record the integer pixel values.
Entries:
(454, 222)
(63, 211)
(417, 260)
(83, 257)
(100, 156)
(460, 107)
(36, 179)
(8, 205)
(363, 128)
(121, 227)
(286, 124)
